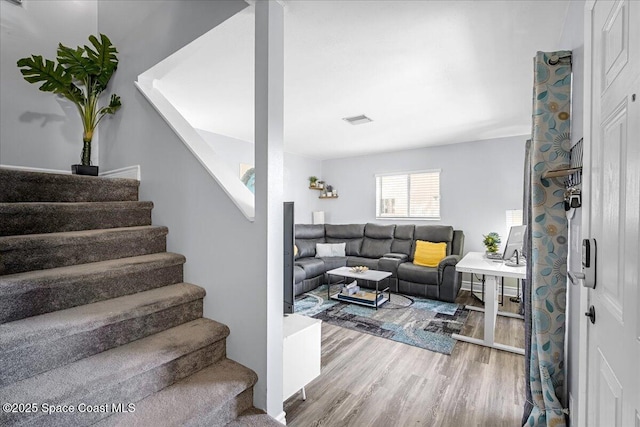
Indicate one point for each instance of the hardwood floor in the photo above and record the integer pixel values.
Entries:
(372, 381)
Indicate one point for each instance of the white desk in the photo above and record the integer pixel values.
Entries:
(477, 263)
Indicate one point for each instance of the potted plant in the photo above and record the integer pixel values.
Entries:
(80, 75)
(320, 184)
(312, 181)
(491, 242)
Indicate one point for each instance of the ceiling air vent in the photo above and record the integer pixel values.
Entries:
(357, 120)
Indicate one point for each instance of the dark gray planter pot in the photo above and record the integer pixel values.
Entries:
(84, 170)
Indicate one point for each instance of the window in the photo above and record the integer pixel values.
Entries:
(408, 195)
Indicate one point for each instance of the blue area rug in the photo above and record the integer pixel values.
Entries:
(424, 323)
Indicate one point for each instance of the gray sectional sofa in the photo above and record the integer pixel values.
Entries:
(381, 247)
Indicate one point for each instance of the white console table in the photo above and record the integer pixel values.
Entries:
(477, 263)
(300, 353)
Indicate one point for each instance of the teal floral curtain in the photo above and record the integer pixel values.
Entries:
(548, 231)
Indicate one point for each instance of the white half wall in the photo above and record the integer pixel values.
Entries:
(297, 170)
(39, 129)
(479, 181)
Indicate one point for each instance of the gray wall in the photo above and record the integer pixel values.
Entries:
(38, 129)
(573, 39)
(297, 170)
(225, 252)
(478, 183)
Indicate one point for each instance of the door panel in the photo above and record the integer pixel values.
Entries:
(609, 406)
(612, 240)
(613, 381)
(615, 37)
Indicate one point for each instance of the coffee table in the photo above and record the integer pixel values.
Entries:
(369, 299)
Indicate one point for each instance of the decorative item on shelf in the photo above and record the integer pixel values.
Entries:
(313, 181)
(80, 75)
(320, 184)
(359, 269)
(491, 242)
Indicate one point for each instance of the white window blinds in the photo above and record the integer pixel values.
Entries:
(408, 195)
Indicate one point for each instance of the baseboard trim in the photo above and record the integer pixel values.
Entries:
(130, 172)
(477, 286)
(281, 418)
(30, 169)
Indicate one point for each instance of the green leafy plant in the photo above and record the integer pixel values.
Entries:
(491, 241)
(313, 179)
(80, 75)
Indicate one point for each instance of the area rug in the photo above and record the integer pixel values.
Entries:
(419, 322)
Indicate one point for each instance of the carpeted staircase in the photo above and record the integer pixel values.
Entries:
(94, 312)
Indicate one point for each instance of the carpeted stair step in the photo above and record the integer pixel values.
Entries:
(254, 417)
(50, 250)
(23, 186)
(212, 397)
(35, 218)
(37, 344)
(37, 292)
(124, 374)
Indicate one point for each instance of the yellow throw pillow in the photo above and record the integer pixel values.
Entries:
(429, 254)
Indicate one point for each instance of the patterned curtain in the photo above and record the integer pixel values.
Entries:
(547, 266)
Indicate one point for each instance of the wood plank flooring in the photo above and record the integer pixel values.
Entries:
(372, 381)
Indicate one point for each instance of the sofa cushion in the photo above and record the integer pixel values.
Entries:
(429, 254)
(309, 231)
(298, 274)
(435, 233)
(403, 239)
(418, 274)
(377, 231)
(330, 249)
(334, 262)
(351, 234)
(344, 231)
(307, 235)
(375, 248)
(312, 266)
(354, 261)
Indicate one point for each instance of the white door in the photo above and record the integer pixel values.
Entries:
(614, 339)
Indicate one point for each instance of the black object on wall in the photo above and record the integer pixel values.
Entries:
(288, 257)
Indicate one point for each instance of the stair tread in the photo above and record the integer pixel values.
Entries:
(68, 237)
(190, 397)
(43, 207)
(31, 186)
(28, 280)
(58, 324)
(71, 382)
(254, 417)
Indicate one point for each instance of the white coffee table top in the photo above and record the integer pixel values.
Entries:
(373, 275)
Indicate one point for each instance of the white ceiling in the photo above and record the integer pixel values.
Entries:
(426, 72)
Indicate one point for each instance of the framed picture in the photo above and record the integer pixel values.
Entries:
(248, 176)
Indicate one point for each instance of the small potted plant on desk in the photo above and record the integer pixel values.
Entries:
(491, 242)
(80, 75)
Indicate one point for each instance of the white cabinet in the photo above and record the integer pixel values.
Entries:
(300, 354)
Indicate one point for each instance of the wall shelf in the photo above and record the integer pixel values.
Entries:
(557, 173)
(328, 197)
(316, 188)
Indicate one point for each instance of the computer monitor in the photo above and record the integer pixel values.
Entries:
(514, 242)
